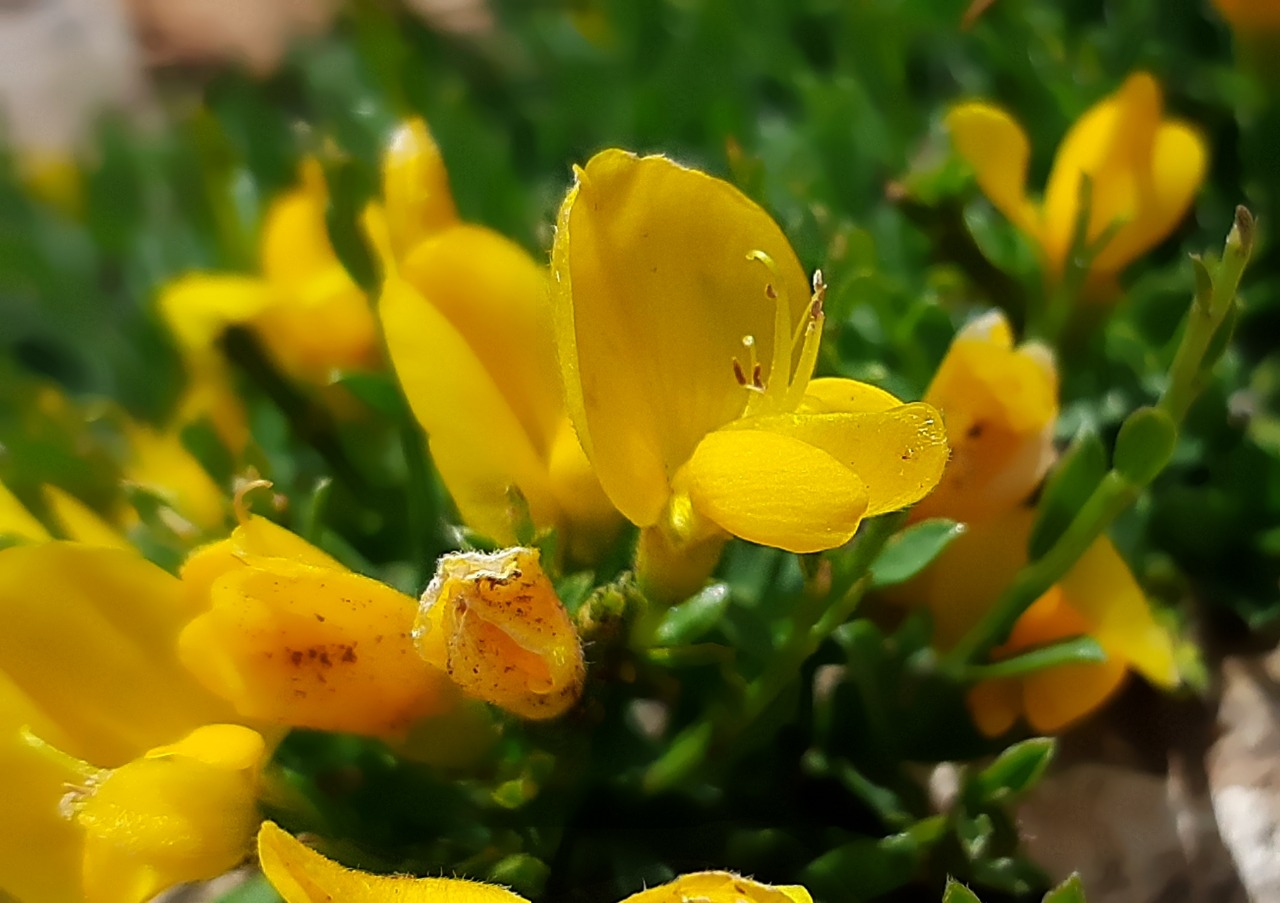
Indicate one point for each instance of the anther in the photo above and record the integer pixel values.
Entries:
(738, 373)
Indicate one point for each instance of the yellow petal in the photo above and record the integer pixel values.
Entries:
(835, 395)
(90, 636)
(590, 521)
(1056, 697)
(211, 395)
(898, 455)
(82, 523)
(39, 849)
(478, 442)
(415, 186)
(295, 239)
(16, 521)
(1102, 589)
(653, 296)
(1114, 143)
(995, 706)
(306, 646)
(720, 887)
(183, 812)
(161, 464)
(495, 296)
(996, 147)
(302, 875)
(1174, 174)
(496, 625)
(774, 489)
(1000, 405)
(199, 307)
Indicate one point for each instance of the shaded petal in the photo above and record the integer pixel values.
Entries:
(415, 186)
(720, 887)
(295, 238)
(478, 442)
(995, 706)
(653, 296)
(302, 875)
(773, 489)
(162, 465)
(1056, 697)
(898, 455)
(1102, 589)
(590, 520)
(90, 636)
(996, 147)
(495, 296)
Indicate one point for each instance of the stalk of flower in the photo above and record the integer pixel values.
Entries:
(88, 665)
(465, 316)
(302, 875)
(687, 337)
(1137, 171)
(1000, 404)
(494, 623)
(289, 636)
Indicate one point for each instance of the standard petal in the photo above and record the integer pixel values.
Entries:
(16, 521)
(415, 186)
(302, 875)
(1102, 589)
(295, 238)
(80, 522)
(653, 296)
(478, 442)
(495, 296)
(199, 307)
(996, 147)
(898, 455)
(773, 489)
(90, 636)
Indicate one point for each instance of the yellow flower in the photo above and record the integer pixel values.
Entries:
(1000, 405)
(1250, 15)
(288, 635)
(496, 625)
(667, 284)
(1098, 598)
(1144, 170)
(310, 315)
(185, 811)
(88, 663)
(467, 325)
(302, 875)
(158, 462)
(80, 522)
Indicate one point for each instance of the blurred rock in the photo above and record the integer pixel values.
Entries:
(460, 17)
(61, 63)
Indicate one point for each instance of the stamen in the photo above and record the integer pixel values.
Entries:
(776, 291)
(738, 374)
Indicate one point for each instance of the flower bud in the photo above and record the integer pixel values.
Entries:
(496, 625)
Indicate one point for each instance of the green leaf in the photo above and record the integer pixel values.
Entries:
(1145, 444)
(863, 869)
(693, 618)
(1069, 891)
(1015, 771)
(912, 550)
(1075, 651)
(378, 390)
(958, 893)
(1076, 476)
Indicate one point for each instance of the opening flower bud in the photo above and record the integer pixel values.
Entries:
(496, 625)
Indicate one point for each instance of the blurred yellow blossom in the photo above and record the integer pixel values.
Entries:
(999, 404)
(1144, 173)
(1098, 598)
(1250, 15)
(157, 461)
(78, 521)
(496, 625)
(305, 308)
(302, 875)
(185, 811)
(288, 635)
(88, 664)
(468, 328)
(667, 283)
(16, 522)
